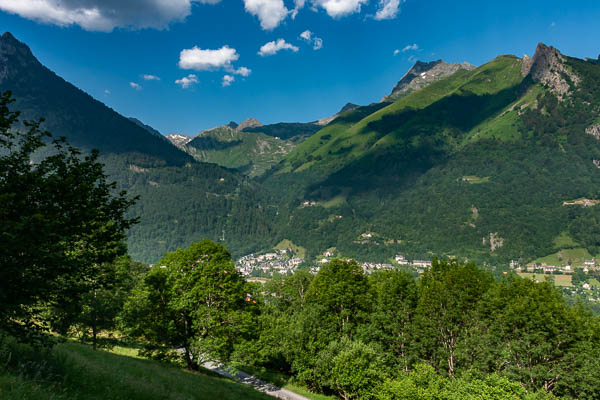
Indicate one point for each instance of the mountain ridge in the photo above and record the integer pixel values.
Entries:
(69, 111)
(422, 74)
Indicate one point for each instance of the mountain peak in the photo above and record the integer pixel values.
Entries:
(348, 107)
(232, 124)
(548, 68)
(14, 56)
(423, 74)
(248, 123)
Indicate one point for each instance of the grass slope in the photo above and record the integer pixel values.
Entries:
(250, 152)
(412, 172)
(102, 375)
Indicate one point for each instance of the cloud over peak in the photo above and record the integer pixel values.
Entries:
(410, 47)
(270, 48)
(103, 15)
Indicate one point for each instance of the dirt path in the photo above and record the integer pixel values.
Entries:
(258, 384)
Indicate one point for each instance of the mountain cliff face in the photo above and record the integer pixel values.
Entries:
(548, 67)
(70, 112)
(423, 74)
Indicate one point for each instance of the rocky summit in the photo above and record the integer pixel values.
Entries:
(248, 123)
(423, 74)
(548, 68)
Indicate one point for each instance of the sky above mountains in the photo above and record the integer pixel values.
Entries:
(186, 65)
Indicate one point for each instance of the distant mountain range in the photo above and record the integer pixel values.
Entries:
(492, 163)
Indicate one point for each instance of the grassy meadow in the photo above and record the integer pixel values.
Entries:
(99, 375)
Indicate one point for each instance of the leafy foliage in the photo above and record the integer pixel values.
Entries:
(195, 300)
(60, 222)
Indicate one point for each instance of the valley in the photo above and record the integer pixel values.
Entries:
(491, 138)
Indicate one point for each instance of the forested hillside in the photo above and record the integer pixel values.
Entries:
(180, 200)
(478, 165)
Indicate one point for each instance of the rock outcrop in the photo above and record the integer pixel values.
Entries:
(548, 68)
(423, 74)
(593, 130)
(248, 123)
(178, 139)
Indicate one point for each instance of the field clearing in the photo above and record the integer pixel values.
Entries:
(299, 251)
(559, 280)
(574, 257)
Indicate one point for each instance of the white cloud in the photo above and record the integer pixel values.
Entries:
(396, 52)
(135, 86)
(412, 59)
(148, 77)
(388, 9)
(269, 12)
(270, 48)
(106, 92)
(553, 24)
(187, 81)
(306, 35)
(317, 43)
(410, 47)
(227, 80)
(206, 60)
(298, 5)
(103, 15)
(243, 71)
(340, 8)
(309, 37)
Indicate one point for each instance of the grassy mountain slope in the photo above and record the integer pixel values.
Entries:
(92, 375)
(478, 164)
(252, 153)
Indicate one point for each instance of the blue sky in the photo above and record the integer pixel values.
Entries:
(106, 47)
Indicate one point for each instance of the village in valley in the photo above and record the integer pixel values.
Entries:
(576, 277)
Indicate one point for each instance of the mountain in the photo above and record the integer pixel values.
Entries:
(247, 123)
(297, 131)
(181, 200)
(495, 163)
(252, 153)
(147, 127)
(70, 112)
(423, 74)
(178, 139)
(326, 120)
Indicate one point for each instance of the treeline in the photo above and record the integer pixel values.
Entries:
(455, 332)
(388, 335)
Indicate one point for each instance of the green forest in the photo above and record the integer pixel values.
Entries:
(455, 332)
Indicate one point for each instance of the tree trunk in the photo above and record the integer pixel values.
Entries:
(94, 323)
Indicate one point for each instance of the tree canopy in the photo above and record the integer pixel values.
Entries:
(60, 216)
